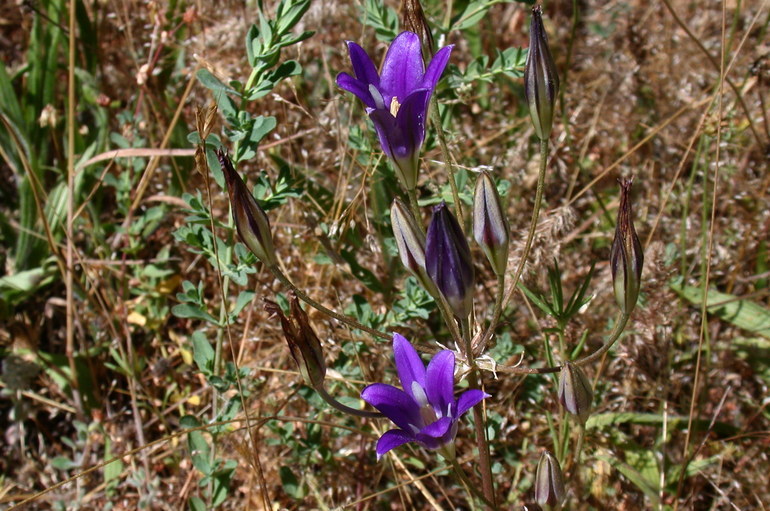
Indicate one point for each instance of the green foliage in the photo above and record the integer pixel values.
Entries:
(382, 18)
(555, 306)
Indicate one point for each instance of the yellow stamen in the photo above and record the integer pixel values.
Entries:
(394, 106)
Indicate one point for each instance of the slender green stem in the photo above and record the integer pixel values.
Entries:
(614, 336)
(579, 448)
(346, 409)
(533, 221)
(497, 311)
(470, 485)
(485, 466)
(527, 246)
(276, 271)
(435, 118)
(414, 206)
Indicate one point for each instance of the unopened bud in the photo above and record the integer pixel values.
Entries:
(411, 243)
(251, 222)
(413, 20)
(549, 482)
(541, 82)
(626, 254)
(575, 392)
(490, 227)
(303, 342)
(448, 261)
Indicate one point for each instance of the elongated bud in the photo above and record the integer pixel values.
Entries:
(448, 261)
(549, 482)
(490, 227)
(413, 20)
(250, 220)
(626, 254)
(411, 243)
(575, 392)
(541, 82)
(303, 342)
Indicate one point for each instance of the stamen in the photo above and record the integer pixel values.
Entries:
(419, 394)
(394, 106)
(415, 429)
(378, 101)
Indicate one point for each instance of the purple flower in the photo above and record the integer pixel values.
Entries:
(397, 98)
(426, 411)
(448, 261)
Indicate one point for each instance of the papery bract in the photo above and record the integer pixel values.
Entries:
(426, 410)
(397, 99)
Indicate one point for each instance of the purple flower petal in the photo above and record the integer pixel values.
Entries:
(436, 67)
(395, 404)
(363, 66)
(403, 68)
(468, 400)
(357, 87)
(437, 429)
(392, 439)
(440, 381)
(411, 118)
(388, 132)
(408, 364)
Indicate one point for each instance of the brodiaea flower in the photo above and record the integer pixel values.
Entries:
(397, 98)
(426, 411)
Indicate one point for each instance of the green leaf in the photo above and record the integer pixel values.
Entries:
(291, 484)
(196, 504)
(188, 310)
(203, 353)
(742, 313)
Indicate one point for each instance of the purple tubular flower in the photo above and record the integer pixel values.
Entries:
(426, 411)
(397, 99)
(448, 261)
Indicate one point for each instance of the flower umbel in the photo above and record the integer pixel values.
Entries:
(426, 411)
(541, 82)
(397, 99)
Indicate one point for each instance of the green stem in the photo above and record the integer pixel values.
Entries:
(614, 336)
(528, 245)
(435, 118)
(276, 271)
(346, 409)
(579, 448)
(470, 485)
(485, 466)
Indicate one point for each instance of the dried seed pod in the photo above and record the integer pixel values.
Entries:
(626, 254)
(303, 342)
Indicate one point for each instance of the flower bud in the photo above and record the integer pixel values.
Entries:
(549, 482)
(303, 342)
(413, 20)
(448, 261)
(575, 392)
(490, 227)
(251, 222)
(626, 255)
(541, 82)
(411, 243)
